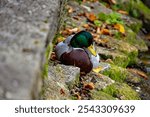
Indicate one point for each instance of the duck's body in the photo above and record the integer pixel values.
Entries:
(74, 53)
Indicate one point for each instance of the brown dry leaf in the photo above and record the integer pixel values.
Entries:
(120, 28)
(62, 92)
(98, 30)
(65, 32)
(105, 32)
(123, 12)
(104, 41)
(74, 30)
(138, 72)
(86, 26)
(76, 17)
(53, 56)
(113, 1)
(70, 10)
(90, 16)
(78, 96)
(89, 86)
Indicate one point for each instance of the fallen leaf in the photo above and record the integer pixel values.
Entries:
(105, 32)
(90, 16)
(78, 96)
(113, 1)
(74, 30)
(109, 61)
(76, 17)
(89, 86)
(138, 72)
(70, 10)
(62, 92)
(53, 56)
(86, 26)
(98, 30)
(120, 28)
(60, 39)
(97, 70)
(122, 12)
(103, 41)
(65, 32)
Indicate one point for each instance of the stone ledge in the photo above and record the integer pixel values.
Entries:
(26, 26)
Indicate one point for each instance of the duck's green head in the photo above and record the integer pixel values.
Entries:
(83, 39)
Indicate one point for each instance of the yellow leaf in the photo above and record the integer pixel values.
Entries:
(60, 39)
(120, 28)
(98, 69)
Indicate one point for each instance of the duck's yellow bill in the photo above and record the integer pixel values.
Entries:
(92, 50)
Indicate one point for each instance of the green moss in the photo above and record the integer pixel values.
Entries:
(79, 1)
(136, 8)
(121, 60)
(131, 38)
(136, 26)
(112, 18)
(130, 51)
(141, 8)
(100, 95)
(45, 66)
(73, 98)
(122, 91)
(116, 73)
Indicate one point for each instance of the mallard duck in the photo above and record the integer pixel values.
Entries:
(78, 50)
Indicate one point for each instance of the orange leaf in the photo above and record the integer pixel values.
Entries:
(86, 26)
(120, 28)
(89, 86)
(90, 16)
(105, 32)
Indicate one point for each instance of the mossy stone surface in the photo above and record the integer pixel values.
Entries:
(116, 73)
(100, 95)
(47, 56)
(122, 91)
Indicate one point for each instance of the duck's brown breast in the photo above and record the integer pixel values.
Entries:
(77, 58)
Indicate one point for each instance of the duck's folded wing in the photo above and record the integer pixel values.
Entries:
(60, 49)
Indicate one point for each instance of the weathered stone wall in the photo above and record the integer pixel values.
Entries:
(26, 27)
